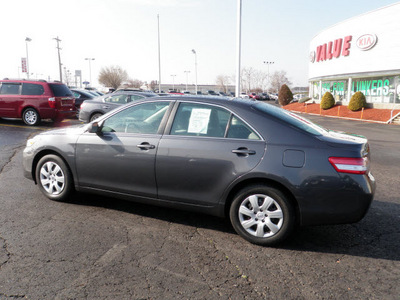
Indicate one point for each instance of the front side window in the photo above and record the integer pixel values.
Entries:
(144, 118)
(10, 89)
(32, 89)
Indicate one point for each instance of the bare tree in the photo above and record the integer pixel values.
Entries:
(222, 82)
(112, 76)
(247, 75)
(153, 85)
(253, 80)
(133, 83)
(278, 79)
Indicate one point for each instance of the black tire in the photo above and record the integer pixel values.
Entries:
(95, 116)
(31, 117)
(54, 178)
(262, 215)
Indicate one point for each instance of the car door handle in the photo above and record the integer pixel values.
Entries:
(243, 151)
(145, 146)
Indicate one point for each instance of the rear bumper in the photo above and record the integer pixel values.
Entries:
(345, 204)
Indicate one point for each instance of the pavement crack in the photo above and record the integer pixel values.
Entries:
(5, 254)
(10, 158)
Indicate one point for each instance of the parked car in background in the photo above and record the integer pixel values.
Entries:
(254, 96)
(80, 96)
(92, 109)
(35, 100)
(265, 96)
(212, 93)
(264, 168)
(244, 96)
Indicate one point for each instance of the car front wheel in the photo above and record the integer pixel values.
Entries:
(54, 178)
(262, 215)
(31, 117)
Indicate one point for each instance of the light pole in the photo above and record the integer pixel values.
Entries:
(195, 67)
(59, 56)
(159, 55)
(238, 45)
(90, 68)
(268, 63)
(187, 72)
(27, 57)
(173, 82)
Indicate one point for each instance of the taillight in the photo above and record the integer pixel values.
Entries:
(52, 102)
(351, 165)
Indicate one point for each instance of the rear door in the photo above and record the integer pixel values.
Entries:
(207, 148)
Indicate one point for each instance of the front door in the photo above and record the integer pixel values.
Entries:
(122, 158)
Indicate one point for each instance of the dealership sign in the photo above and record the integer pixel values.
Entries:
(341, 47)
(366, 41)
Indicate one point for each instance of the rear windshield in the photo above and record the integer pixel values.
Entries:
(60, 90)
(291, 118)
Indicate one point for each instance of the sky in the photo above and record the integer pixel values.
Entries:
(124, 33)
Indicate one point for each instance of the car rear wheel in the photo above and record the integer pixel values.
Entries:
(54, 178)
(31, 117)
(262, 215)
(95, 116)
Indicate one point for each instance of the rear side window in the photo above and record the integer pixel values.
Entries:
(32, 89)
(60, 90)
(194, 119)
(10, 88)
(291, 118)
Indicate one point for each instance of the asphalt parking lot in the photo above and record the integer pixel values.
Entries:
(103, 248)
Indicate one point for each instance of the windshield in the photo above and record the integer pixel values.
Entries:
(291, 118)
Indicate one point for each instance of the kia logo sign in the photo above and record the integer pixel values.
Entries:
(366, 41)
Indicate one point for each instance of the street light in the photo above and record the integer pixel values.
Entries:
(27, 58)
(187, 72)
(268, 63)
(90, 68)
(173, 82)
(195, 66)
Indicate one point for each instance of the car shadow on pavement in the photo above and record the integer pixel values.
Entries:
(376, 236)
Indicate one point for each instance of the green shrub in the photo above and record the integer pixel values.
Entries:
(357, 101)
(285, 95)
(327, 101)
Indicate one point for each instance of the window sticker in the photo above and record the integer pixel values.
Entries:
(198, 122)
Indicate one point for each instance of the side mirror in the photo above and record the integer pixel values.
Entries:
(95, 127)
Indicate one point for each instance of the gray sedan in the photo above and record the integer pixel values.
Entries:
(264, 168)
(92, 109)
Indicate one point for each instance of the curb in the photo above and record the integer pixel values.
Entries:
(345, 118)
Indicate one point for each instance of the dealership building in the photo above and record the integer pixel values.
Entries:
(359, 54)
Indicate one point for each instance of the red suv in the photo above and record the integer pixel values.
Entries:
(34, 100)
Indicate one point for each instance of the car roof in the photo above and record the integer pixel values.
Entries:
(148, 94)
(229, 101)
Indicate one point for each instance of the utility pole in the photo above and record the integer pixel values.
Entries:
(59, 56)
(27, 57)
